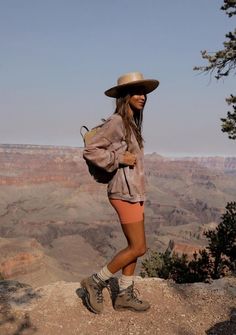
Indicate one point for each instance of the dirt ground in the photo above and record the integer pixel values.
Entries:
(55, 309)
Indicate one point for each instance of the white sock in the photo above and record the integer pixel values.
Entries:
(125, 281)
(104, 274)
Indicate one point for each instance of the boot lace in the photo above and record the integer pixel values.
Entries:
(133, 294)
(99, 296)
(98, 287)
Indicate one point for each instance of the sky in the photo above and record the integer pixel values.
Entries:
(57, 57)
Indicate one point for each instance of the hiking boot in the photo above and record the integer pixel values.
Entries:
(127, 299)
(93, 287)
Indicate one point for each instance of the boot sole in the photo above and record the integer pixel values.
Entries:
(121, 308)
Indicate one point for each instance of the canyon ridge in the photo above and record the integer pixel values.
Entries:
(49, 204)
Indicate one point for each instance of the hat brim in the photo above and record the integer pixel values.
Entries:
(147, 86)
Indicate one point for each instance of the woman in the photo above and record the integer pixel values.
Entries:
(118, 148)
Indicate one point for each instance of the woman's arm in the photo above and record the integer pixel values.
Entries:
(107, 147)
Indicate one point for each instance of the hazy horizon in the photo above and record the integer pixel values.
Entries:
(170, 155)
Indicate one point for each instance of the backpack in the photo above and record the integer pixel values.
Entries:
(99, 174)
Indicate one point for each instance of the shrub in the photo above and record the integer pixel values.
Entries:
(222, 242)
(213, 262)
(175, 267)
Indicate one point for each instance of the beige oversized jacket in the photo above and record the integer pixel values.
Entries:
(105, 150)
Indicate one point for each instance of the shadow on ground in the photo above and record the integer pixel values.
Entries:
(18, 294)
(227, 327)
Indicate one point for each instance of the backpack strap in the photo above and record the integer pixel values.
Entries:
(83, 132)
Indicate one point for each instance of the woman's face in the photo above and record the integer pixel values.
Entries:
(137, 101)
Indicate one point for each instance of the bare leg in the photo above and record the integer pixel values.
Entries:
(129, 269)
(126, 259)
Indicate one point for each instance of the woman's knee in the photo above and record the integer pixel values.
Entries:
(139, 251)
(143, 251)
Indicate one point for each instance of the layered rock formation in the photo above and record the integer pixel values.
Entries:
(183, 248)
(19, 256)
(225, 164)
(47, 194)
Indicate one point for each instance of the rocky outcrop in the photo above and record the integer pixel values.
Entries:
(28, 261)
(21, 263)
(19, 256)
(183, 248)
(184, 309)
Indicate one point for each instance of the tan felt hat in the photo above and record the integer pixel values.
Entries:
(129, 81)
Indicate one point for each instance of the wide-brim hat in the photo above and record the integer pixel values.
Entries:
(130, 81)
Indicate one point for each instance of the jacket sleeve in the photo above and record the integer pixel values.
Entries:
(107, 146)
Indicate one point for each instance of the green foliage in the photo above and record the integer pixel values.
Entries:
(222, 242)
(229, 123)
(229, 7)
(179, 270)
(223, 62)
(213, 262)
(152, 264)
(200, 266)
(175, 267)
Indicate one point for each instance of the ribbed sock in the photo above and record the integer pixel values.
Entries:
(104, 274)
(125, 282)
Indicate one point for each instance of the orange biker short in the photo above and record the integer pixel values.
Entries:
(128, 212)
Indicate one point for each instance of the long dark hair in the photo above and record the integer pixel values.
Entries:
(131, 122)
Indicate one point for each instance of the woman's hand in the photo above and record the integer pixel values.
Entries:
(128, 159)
